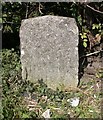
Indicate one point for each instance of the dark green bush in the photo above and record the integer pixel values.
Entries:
(11, 73)
(13, 87)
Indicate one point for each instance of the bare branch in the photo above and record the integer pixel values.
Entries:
(11, 23)
(26, 16)
(87, 55)
(94, 9)
(40, 8)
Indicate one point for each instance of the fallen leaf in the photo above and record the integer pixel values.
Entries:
(46, 114)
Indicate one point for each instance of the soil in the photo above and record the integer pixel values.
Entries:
(92, 72)
(95, 64)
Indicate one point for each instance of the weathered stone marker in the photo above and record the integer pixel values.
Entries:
(49, 50)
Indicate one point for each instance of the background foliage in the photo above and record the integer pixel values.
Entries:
(89, 18)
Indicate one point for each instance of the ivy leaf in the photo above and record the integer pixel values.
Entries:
(93, 27)
(84, 35)
(85, 44)
(85, 40)
(25, 115)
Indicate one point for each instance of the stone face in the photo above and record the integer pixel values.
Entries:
(49, 50)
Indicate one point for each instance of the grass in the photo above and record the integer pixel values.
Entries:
(24, 99)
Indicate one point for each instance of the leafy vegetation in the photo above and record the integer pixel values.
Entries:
(84, 13)
(23, 99)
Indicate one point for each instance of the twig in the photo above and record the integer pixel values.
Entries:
(91, 54)
(94, 9)
(26, 16)
(10, 23)
(40, 8)
(71, 88)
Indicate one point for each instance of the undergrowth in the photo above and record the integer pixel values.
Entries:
(24, 99)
